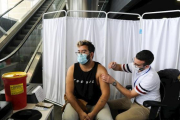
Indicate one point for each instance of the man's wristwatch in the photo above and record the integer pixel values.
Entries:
(114, 83)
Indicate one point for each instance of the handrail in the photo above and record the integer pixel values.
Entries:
(25, 38)
(4, 32)
(11, 8)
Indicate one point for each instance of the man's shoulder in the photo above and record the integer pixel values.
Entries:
(100, 66)
(71, 68)
(101, 69)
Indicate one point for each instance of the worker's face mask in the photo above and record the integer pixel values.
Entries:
(83, 58)
(138, 68)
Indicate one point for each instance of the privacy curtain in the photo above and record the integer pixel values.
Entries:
(54, 38)
(162, 37)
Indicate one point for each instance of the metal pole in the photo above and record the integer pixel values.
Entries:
(160, 12)
(123, 13)
(85, 11)
(55, 12)
(105, 43)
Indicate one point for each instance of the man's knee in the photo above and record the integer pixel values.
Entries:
(120, 117)
(104, 114)
(69, 113)
(122, 103)
(133, 114)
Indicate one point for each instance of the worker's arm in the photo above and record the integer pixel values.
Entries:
(129, 94)
(105, 90)
(115, 66)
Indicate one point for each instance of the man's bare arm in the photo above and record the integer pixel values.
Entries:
(70, 89)
(105, 90)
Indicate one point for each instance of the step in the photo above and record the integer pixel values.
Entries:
(31, 22)
(37, 15)
(40, 11)
(25, 31)
(28, 26)
(35, 18)
(10, 49)
(21, 36)
(16, 42)
(45, 6)
(3, 55)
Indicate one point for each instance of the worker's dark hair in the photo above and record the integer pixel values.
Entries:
(146, 56)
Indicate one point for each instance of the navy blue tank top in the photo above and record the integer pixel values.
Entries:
(85, 85)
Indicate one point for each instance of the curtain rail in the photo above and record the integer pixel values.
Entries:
(73, 11)
(86, 11)
(157, 12)
(55, 12)
(123, 13)
(114, 12)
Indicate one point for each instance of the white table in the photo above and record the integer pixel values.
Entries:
(45, 113)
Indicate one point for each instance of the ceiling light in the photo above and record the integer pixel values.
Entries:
(178, 0)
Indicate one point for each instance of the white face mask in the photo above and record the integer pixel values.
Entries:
(136, 68)
(139, 69)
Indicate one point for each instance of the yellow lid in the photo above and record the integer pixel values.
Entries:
(12, 75)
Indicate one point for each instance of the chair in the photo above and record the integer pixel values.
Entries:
(169, 107)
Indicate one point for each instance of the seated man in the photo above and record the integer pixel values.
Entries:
(84, 85)
(145, 86)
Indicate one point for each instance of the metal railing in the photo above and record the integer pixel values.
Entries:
(3, 31)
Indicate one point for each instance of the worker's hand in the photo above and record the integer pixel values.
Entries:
(112, 65)
(107, 78)
(84, 116)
